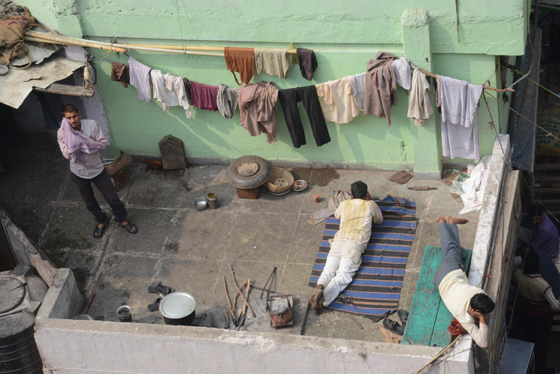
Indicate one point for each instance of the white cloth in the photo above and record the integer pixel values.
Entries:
(92, 162)
(357, 84)
(175, 84)
(140, 79)
(459, 118)
(339, 269)
(474, 187)
(161, 93)
(419, 103)
(456, 293)
(402, 72)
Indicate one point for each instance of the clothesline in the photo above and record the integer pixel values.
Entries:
(185, 49)
(501, 90)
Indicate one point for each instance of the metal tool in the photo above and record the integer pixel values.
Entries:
(270, 286)
(305, 318)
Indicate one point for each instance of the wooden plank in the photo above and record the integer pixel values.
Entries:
(425, 303)
(441, 336)
(64, 89)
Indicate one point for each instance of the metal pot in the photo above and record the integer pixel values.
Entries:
(177, 308)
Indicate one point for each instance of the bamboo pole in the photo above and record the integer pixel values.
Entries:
(117, 47)
(75, 41)
(191, 47)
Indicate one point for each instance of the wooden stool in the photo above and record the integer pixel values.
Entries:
(118, 172)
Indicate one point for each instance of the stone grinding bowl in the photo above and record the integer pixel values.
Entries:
(201, 203)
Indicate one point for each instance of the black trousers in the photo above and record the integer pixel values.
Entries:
(105, 186)
(289, 99)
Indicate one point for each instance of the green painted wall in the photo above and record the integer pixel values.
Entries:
(345, 35)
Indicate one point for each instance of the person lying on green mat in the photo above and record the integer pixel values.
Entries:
(345, 256)
(468, 304)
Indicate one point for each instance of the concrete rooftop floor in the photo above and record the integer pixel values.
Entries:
(190, 250)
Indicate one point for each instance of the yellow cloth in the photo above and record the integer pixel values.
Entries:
(356, 217)
(337, 102)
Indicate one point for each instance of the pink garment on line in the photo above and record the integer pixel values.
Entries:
(77, 143)
(204, 96)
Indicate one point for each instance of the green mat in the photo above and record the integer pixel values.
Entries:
(429, 318)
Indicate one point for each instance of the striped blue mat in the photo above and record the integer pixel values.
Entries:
(376, 288)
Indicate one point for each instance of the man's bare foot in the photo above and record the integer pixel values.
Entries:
(317, 301)
(440, 219)
(456, 221)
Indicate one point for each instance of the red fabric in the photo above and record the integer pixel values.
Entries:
(456, 329)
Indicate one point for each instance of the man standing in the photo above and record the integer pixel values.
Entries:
(81, 141)
(345, 256)
(467, 303)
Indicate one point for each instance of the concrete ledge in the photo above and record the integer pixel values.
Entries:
(141, 348)
(63, 300)
(483, 240)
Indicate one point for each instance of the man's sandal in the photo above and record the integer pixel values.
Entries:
(393, 326)
(130, 227)
(99, 231)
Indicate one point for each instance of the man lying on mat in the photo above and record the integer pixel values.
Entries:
(468, 304)
(345, 256)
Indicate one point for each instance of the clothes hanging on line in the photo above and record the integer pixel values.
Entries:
(187, 84)
(289, 99)
(272, 61)
(120, 73)
(175, 85)
(307, 62)
(419, 102)
(204, 96)
(357, 84)
(459, 118)
(402, 72)
(227, 100)
(241, 60)
(257, 109)
(337, 102)
(140, 79)
(166, 97)
(380, 86)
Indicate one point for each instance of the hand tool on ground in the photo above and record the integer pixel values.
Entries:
(357, 323)
(240, 293)
(268, 280)
(422, 188)
(305, 318)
